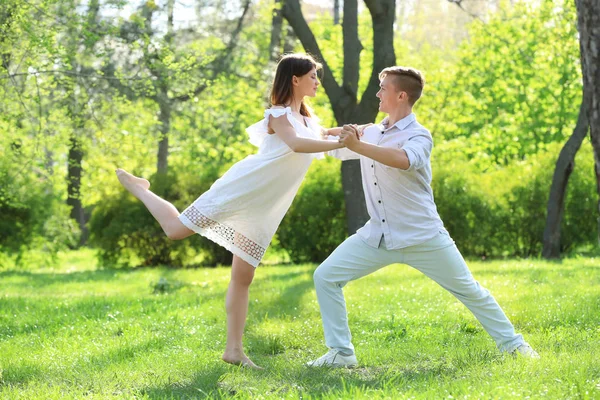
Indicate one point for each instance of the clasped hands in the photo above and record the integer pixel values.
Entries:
(350, 135)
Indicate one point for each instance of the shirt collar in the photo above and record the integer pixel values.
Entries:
(402, 124)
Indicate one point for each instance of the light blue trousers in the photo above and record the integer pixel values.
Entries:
(437, 258)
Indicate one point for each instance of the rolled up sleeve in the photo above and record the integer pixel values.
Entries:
(418, 150)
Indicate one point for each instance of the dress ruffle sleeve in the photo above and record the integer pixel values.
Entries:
(260, 130)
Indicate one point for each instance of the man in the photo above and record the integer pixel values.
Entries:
(404, 225)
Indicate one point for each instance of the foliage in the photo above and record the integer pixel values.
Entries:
(510, 93)
(34, 216)
(503, 212)
(35, 219)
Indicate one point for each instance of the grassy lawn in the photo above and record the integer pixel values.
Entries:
(78, 332)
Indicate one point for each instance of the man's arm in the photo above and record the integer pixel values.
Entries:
(396, 158)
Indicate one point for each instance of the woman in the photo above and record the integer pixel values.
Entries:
(242, 210)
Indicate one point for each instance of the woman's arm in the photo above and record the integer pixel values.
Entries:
(337, 130)
(331, 131)
(286, 132)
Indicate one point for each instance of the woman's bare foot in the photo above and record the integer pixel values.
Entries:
(239, 359)
(132, 183)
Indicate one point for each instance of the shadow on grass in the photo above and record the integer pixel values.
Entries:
(205, 383)
(288, 301)
(47, 318)
(21, 374)
(18, 375)
(38, 280)
(537, 273)
(223, 381)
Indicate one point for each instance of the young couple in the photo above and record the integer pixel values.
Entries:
(242, 210)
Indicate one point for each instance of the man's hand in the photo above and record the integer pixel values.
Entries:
(350, 136)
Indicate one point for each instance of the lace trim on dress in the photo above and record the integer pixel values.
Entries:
(225, 236)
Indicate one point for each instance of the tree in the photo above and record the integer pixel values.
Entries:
(588, 21)
(80, 36)
(171, 65)
(511, 93)
(515, 51)
(347, 105)
(562, 172)
(277, 24)
(32, 199)
(280, 30)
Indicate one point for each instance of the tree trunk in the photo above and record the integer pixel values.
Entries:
(336, 12)
(76, 107)
(588, 21)
(564, 167)
(289, 42)
(162, 164)
(352, 50)
(356, 211)
(164, 103)
(277, 23)
(74, 172)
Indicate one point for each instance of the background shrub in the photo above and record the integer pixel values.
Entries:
(503, 212)
(35, 223)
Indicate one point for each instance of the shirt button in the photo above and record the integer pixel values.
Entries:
(371, 165)
(379, 201)
(383, 220)
(375, 183)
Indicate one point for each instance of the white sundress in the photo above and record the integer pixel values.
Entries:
(242, 210)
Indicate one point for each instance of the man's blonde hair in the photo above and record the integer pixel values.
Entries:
(407, 80)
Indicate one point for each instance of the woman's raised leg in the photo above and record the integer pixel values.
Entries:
(164, 212)
(236, 304)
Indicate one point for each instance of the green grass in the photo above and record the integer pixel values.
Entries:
(78, 332)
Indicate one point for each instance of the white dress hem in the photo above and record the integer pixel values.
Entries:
(221, 241)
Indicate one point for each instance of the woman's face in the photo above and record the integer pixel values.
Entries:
(306, 85)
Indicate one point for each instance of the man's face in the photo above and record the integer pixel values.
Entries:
(389, 95)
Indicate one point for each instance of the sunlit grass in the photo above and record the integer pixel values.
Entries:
(77, 332)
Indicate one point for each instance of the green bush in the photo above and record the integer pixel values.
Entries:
(503, 212)
(497, 213)
(35, 224)
(580, 221)
(316, 222)
(468, 213)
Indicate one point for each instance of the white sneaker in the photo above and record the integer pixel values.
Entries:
(334, 358)
(526, 351)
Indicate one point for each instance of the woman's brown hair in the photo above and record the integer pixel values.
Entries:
(289, 66)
